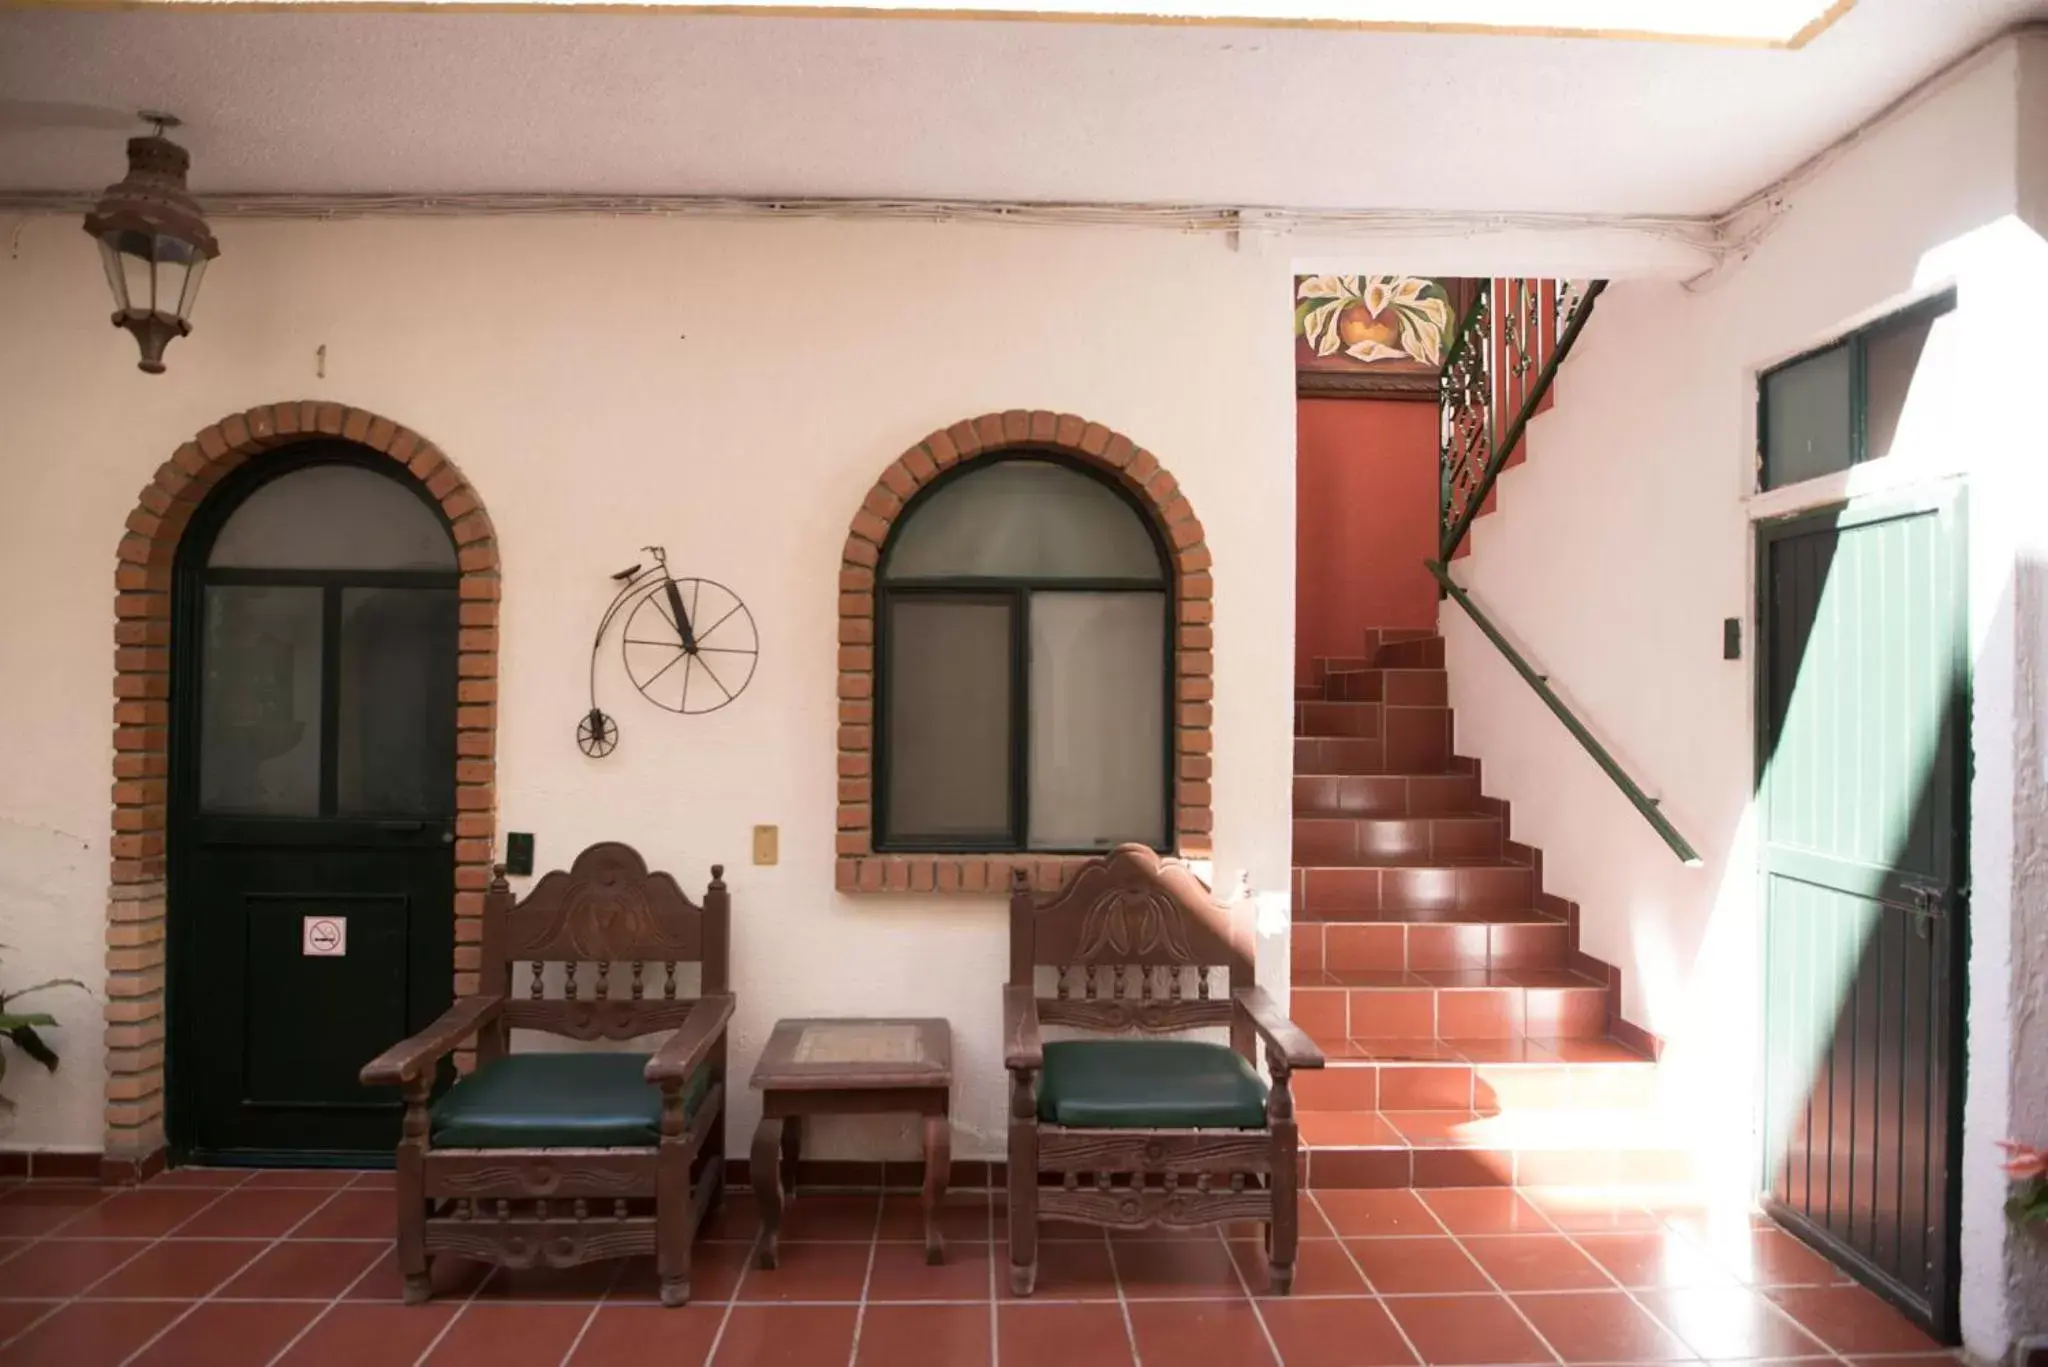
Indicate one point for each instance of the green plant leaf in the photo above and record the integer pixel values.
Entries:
(2029, 1204)
(29, 1042)
(10, 1021)
(6, 997)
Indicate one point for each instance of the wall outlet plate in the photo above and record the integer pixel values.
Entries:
(519, 854)
(767, 843)
(1731, 638)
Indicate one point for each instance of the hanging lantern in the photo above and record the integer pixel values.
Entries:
(154, 242)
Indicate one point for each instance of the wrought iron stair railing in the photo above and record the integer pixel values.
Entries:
(1630, 789)
(1496, 376)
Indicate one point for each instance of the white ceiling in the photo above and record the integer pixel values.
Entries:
(649, 103)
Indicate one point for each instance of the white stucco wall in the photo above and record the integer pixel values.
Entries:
(1626, 538)
(731, 390)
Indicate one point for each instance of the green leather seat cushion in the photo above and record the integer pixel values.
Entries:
(551, 1101)
(1154, 1084)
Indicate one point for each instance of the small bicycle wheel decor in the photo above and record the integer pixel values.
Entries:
(689, 645)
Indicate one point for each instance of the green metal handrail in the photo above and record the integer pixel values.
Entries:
(1630, 789)
(1471, 382)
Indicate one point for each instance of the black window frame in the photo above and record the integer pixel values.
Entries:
(1017, 592)
(1857, 342)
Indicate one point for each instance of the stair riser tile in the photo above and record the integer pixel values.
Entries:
(1379, 948)
(1416, 687)
(1329, 893)
(1435, 947)
(1418, 739)
(1527, 945)
(1522, 1087)
(1427, 653)
(1359, 685)
(1566, 1012)
(1325, 842)
(1381, 1169)
(1442, 794)
(1480, 1013)
(1392, 1013)
(1356, 796)
(1322, 1012)
(1317, 755)
(1305, 947)
(1614, 1086)
(1338, 1089)
(1352, 720)
(1427, 1087)
(1465, 838)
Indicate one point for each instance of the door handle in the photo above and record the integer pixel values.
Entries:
(1929, 900)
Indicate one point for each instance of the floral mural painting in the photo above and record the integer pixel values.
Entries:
(1373, 335)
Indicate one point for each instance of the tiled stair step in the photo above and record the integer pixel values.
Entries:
(1401, 725)
(1327, 892)
(1487, 1076)
(1424, 653)
(1377, 840)
(1405, 687)
(1576, 1146)
(1428, 946)
(1363, 795)
(1407, 751)
(1472, 1005)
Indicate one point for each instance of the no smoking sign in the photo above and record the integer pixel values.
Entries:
(325, 937)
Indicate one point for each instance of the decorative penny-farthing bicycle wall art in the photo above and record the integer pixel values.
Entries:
(689, 645)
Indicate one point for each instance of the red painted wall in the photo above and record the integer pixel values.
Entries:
(1365, 520)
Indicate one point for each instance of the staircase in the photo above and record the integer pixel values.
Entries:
(1470, 1042)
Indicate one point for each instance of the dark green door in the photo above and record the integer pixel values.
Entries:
(313, 791)
(1863, 708)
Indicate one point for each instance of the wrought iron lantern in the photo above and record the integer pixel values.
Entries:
(154, 242)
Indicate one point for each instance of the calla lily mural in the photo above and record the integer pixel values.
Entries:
(1371, 318)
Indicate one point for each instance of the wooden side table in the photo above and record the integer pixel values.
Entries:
(850, 1067)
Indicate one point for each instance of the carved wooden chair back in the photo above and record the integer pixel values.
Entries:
(615, 937)
(1134, 942)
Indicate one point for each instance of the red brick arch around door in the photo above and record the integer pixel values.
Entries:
(137, 922)
(859, 867)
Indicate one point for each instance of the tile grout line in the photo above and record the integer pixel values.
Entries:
(1272, 1346)
(1498, 1288)
(147, 1244)
(290, 1229)
(328, 1309)
(1359, 1268)
(460, 1311)
(603, 1297)
(995, 1288)
(1122, 1302)
(860, 1313)
(732, 1301)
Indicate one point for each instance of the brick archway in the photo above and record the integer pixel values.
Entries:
(137, 922)
(859, 868)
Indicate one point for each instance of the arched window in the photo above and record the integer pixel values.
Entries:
(1025, 628)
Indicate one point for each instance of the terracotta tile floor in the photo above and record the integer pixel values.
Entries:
(233, 1269)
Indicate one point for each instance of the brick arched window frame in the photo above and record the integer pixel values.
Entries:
(137, 920)
(859, 868)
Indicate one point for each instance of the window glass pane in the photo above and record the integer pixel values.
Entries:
(949, 719)
(1024, 519)
(395, 733)
(1098, 698)
(333, 517)
(1891, 358)
(1806, 417)
(259, 748)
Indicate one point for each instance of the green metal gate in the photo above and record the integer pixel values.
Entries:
(1862, 784)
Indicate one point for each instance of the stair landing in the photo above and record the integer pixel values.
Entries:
(1469, 1041)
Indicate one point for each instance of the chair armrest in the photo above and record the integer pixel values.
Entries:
(687, 1047)
(411, 1058)
(1285, 1037)
(1022, 1048)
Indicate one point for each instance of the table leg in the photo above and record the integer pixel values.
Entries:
(792, 1151)
(765, 1170)
(938, 1168)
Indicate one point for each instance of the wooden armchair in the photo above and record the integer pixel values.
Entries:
(1126, 1133)
(553, 1159)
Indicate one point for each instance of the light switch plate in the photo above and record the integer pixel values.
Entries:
(767, 839)
(519, 854)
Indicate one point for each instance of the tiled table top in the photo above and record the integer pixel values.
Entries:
(232, 1269)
